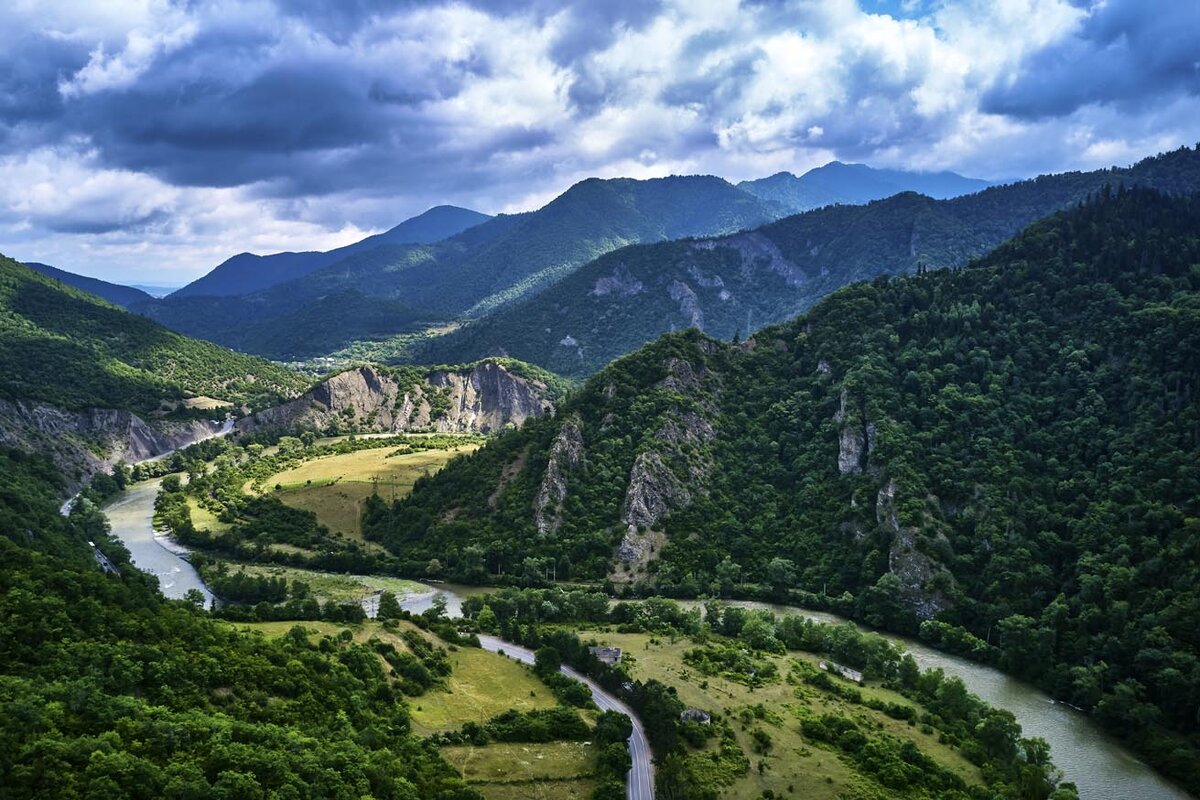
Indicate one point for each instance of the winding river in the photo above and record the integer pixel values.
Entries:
(1101, 768)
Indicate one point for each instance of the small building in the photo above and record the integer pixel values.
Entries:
(696, 715)
(845, 672)
(606, 655)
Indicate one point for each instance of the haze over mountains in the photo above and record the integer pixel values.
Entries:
(853, 184)
(246, 272)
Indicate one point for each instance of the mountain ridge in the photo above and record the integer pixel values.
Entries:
(854, 184)
(978, 456)
(246, 272)
(115, 293)
(737, 284)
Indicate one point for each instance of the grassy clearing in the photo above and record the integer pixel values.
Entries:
(813, 773)
(334, 487)
(334, 586)
(482, 685)
(513, 763)
(576, 789)
(204, 519)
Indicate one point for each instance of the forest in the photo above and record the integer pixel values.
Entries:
(1000, 458)
(109, 690)
(69, 348)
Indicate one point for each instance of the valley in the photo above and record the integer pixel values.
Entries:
(481, 687)
(463, 400)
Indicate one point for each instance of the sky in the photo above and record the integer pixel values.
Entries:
(145, 141)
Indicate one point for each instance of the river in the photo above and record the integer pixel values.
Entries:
(1101, 768)
(131, 517)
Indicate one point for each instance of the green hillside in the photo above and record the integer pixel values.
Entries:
(1001, 459)
(64, 346)
(108, 690)
(745, 282)
(483, 268)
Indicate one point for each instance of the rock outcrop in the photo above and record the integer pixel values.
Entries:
(566, 455)
(483, 398)
(856, 438)
(82, 443)
(665, 476)
(915, 569)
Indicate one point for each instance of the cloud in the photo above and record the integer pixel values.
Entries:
(1125, 53)
(177, 133)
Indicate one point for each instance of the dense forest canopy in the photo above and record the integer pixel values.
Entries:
(71, 349)
(108, 690)
(1001, 458)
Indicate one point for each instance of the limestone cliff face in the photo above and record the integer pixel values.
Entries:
(82, 443)
(665, 477)
(856, 438)
(566, 455)
(480, 399)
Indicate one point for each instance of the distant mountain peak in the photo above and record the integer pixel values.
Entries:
(247, 272)
(839, 182)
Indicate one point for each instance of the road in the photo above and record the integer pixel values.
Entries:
(640, 780)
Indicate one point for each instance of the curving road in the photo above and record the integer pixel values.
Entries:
(640, 780)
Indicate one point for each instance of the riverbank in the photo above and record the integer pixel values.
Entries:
(1100, 767)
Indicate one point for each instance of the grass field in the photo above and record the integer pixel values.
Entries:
(334, 487)
(813, 773)
(204, 519)
(482, 685)
(334, 586)
(552, 771)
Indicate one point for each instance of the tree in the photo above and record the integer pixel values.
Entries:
(781, 574)
(486, 619)
(389, 607)
(546, 660)
(759, 634)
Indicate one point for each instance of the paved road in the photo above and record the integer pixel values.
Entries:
(640, 781)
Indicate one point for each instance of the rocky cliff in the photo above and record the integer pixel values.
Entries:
(82, 443)
(480, 398)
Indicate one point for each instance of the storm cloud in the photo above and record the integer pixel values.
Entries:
(152, 140)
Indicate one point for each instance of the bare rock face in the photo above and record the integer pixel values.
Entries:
(906, 561)
(566, 455)
(758, 251)
(82, 443)
(653, 491)
(689, 304)
(856, 439)
(483, 398)
(666, 476)
(619, 283)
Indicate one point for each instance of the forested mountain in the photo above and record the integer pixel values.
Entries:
(854, 184)
(73, 350)
(124, 296)
(246, 272)
(394, 289)
(108, 690)
(1001, 458)
(747, 281)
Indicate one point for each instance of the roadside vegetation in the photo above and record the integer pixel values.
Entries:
(775, 722)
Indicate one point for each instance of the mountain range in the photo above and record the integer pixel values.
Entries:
(390, 289)
(115, 293)
(854, 184)
(743, 282)
(246, 272)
